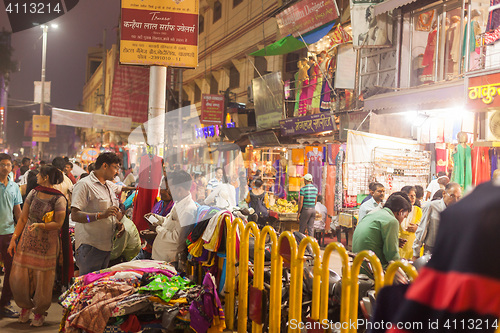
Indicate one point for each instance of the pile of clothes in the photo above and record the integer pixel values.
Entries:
(138, 296)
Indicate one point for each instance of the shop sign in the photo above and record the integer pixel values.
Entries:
(212, 109)
(41, 128)
(305, 16)
(482, 92)
(308, 124)
(267, 139)
(268, 94)
(159, 32)
(28, 129)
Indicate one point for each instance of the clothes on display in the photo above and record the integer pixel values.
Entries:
(339, 184)
(315, 166)
(462, 166)
(480, 165)
(429, 57)
(493, 16)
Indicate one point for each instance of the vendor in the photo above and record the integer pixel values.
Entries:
(172, 230)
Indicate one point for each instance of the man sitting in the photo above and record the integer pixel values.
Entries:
(377, 191)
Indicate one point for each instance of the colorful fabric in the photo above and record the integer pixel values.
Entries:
(315, 166)
(462, 168)
(207, 314)
(339, 184)
(481, 171)
(162, 208)
(164, 287)
(414, 217)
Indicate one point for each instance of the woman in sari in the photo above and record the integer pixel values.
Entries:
(35, 256)
(409, 225)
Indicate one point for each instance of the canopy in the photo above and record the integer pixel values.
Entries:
(290, 43)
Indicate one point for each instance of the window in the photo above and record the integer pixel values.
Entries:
(261, 65)
(234, 77)
(197, 93)
(236, 2)
(201, 25)
(214, 86)
(217, 11)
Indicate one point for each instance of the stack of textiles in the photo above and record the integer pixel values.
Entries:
(139, 296)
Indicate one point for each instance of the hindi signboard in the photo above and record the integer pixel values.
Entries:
(483, 92)
(41, 128)
(306, 16)
(308, 124)
(268, 97)
(159, 32)
(212, 109)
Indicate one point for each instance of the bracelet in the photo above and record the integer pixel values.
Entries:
(88, 219)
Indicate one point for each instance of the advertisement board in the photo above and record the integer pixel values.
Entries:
(306, 16)
(41, 128)
(268, 97)
(212, 109)
(159, 32)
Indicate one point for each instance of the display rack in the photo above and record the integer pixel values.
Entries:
(395, 168)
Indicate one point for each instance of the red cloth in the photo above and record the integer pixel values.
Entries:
(150, 172)
(481, 172)
(144, 202)
(132, 324)
(71, 177)
(441, 160)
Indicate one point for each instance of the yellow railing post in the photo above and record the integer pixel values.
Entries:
(243, 276)
(275, 304)
(230, 269)
(325, 283)
(393, 267)
(316, 278)
(293, 266)
(378, 275)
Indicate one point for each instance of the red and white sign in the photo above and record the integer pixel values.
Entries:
(306, 16)
(212, 109)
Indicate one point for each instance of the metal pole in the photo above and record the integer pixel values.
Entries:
(104, 54)
(179, 139)
(156, 107)
(45, 28)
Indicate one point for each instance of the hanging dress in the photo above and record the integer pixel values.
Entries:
(462, 166)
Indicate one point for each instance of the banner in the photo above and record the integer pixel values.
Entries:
(212, 109)
(268, 98)
(41, 128)
(38, 92)
(369, 30)
(159, 32)
(110, 123)
(308, 124)
(339, 36)
(305, 16)
(71, 118)
(483, 92)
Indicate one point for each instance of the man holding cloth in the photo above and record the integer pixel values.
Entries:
(307, 204)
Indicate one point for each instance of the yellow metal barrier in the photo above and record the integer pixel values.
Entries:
(316, 278)
(378, 275)
(230, 268)
(390, 273)
(292, 309)
(325, 283)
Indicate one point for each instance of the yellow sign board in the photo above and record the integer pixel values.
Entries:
(41, 128)
(159, 32)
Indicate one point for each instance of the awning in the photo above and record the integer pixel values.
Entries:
(436, 96)
(389, 5)
(290, 43)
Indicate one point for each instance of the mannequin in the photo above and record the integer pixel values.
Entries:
(453, 47)
(303, 78)
(298, 87)
(462, 169)
(475, 30)
(320, 69)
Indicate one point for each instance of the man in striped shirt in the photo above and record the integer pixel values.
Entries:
(307, 203)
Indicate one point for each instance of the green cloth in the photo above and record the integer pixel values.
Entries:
(283, 46)
(462, 167)
(378, 232)
(165, 288)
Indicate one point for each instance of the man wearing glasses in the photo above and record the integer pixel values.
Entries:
(427, 229)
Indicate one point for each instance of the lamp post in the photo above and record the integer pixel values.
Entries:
(45, 29)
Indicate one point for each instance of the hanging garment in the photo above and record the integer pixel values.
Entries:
(462, 168)
(330, 192)
(481, 171)
(298, 91)
(327, 84)
(339, 160)
(429, 57)
(279, 182)
(494, 160)
(315, 166)
(494, 15)
(316, 101)
(441, 160)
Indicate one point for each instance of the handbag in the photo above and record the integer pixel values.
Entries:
(48, 217)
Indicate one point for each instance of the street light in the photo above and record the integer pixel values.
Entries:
(45, 29)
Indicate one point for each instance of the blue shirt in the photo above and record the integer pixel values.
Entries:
(10, 196)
